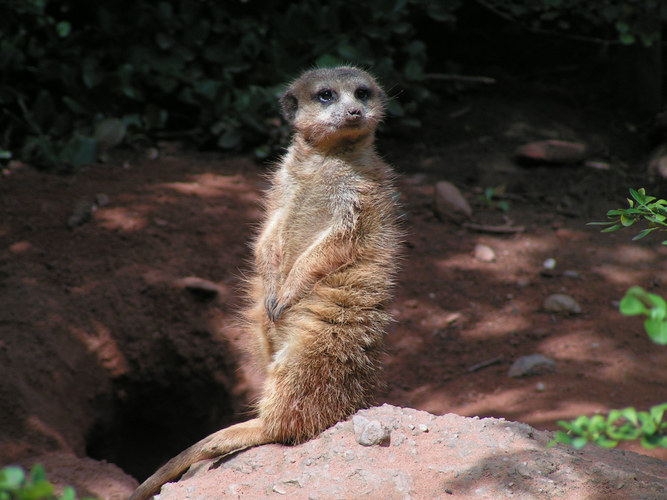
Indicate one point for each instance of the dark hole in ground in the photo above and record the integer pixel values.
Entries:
(152, 418)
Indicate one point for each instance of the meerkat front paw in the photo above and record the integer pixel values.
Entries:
(274, 307)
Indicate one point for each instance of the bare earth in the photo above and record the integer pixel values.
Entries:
(107, 351)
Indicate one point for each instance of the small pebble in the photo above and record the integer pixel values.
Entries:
(533, 364)
(549, 263)
(484, 253)
(370, 432)
(561, 303)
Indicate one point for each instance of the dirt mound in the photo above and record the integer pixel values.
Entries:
(426, 457)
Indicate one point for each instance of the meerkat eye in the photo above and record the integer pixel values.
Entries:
(325, 95)
(362, 93)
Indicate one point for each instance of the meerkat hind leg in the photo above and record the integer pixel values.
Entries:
(223, 442)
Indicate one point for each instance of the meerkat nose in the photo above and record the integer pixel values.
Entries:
(353, 112)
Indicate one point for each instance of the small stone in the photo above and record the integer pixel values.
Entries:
(533, 364)
(484, 253)
(657, 165)
(552, 152)
(522, 282)
(561, 303)
(549, 264)
(598, 165)
(110, 132)
(450, 204)
(539, 387)
(82, 213)
(152, 153)
(423, 427)
(101, 200)
(200, 287)
(370, 432)
(571, 274)
(279, 489)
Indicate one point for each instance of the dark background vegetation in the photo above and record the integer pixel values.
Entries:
(77, 76)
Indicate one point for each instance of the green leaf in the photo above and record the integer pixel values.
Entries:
(74, 106)
(413, 70)
(440, 13)
(657, 330)
(658, 303)
(605, 442)
(630, 414)
(11, 477)
(627, 39)
(79, 151)
(615, 227)
(68, 494)
(638, 195)
(328, 61)
(632, 306)
(110, 132)
(655, 441)
(38, 491)
(64, 29)
(229, 140)
(262, 152)
(627, 221)
(658, 411)
(38, 473)
(90, 73)
(648, 425)
(164, 41)
(643, 233)
(579, 442)
(348, 51)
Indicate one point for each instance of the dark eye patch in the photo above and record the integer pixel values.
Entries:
(325, 95)
(363, 93)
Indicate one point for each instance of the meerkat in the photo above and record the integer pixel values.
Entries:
(325, 261)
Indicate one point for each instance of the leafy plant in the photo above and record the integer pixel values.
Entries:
(74, 73)
(15, 485)
(638, 301)
(629, 424)
(620, 425)
(626, 22)
(642, 206)
(490, 198)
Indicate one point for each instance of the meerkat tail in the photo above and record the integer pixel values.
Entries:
(223, 442)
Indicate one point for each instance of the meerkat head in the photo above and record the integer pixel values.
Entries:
(334, 105)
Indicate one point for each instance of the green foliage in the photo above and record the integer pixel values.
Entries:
(208, 71)
(642, 206)
(629, 424)
(627, 21)
(620, 425)
(15, 485)
(638, 301)
(490, 199)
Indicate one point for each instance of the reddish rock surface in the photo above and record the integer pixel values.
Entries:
(427, 457)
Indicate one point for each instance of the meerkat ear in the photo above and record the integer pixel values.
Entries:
(289, 104)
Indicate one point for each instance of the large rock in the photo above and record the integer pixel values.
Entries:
(449, 203)
(428, 457)
(551, 152)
